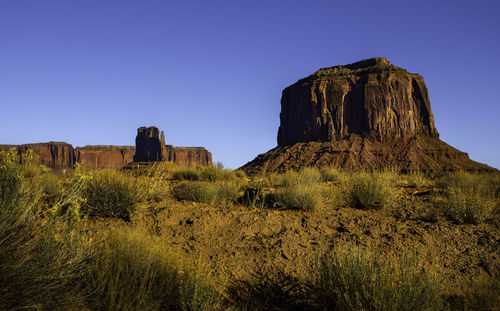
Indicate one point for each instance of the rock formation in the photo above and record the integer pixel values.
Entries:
(365, 115)
(56, 155)
(188, 156)
(148, 146)
(104, 156)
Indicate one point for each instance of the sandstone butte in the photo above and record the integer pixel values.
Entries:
(366, 115)
(61, 155)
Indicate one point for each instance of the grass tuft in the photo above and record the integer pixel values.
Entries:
(358, 280)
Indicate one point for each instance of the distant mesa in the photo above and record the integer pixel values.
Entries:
(365, 115)
(149, 147)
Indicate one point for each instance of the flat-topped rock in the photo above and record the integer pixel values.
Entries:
(365, 115)
(370, 98)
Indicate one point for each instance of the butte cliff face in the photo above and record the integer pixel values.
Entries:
(150, 147)
(365, 115)
(370, 98)
(56, 155)
(104, 156)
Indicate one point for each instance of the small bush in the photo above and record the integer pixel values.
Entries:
(135, 271)
(220, 193)
(186, 174)
(109, 193)
(40, 260)
(467, 205)
(10, 186)
(210, 173)
(468, 198)
(357, 280)
(269, 289)
(305, 176)
(50, 184)
(368, 191)
(294, 198)
(331, 174)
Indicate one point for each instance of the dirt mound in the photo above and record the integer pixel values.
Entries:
(418, 153)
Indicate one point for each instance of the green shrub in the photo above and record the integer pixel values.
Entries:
(368, 191)
(269, 289)
(135, 271)
(468, 198)
(50, 184)
(467, 205)
(294, 198)
(210, 173)
(186, 174)
(10, 187)
(306, 176)
(40, 260)
(332, 174)
(357, 280)
(210, 193)
(109, 193)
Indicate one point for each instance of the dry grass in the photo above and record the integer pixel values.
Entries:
(135, 271)
(359, 280)
(304, 177)
(226, 192)
(468, 198)
(368, 191)
(300, 197)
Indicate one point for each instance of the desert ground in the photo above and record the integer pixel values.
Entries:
(160, 237)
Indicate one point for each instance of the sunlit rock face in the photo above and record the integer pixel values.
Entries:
(365, 115)
(370, 98)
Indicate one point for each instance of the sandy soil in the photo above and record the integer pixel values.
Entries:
(237, 239)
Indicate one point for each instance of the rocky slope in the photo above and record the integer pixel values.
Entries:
(369, 114)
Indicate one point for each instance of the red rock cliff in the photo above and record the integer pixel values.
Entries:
(365, 115)
(370, 98)
(56, 155)
(104, 156)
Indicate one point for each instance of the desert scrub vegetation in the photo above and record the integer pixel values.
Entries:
(210, 173)
(303, 177)
(365, 190)
(134, 271)
(40, 260)
(109, 193)
(331, 174)
(468, 198)
(203, 192)
(360, 280)
(300, 197)
(269, 289)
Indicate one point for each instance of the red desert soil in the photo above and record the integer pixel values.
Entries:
(238, 240)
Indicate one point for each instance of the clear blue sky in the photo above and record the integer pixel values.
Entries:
(210, 73)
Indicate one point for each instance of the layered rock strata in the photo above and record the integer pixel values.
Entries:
(365, 115)
(104, 156)
(57, 155)
(150, 147)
